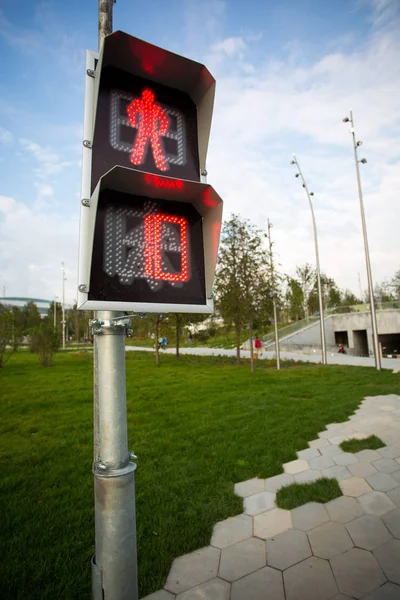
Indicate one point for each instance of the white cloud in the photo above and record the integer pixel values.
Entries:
(50, 163)
(5, 136)
(285, 107)
(33, 242)
(230, 46)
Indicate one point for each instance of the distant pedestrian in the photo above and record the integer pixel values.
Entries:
(342, 349)
(190, 337)
(258, 346)
(164, 343)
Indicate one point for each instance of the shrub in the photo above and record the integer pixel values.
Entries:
(45, 342)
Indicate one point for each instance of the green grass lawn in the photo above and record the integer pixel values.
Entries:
(198, 426)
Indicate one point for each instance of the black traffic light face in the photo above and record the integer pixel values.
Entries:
(147, 250)
(145, 126)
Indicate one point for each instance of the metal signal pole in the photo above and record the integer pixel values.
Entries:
(114, 566)
(278, 362)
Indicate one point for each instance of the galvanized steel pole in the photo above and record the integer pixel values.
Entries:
(367, 258)
(278, 361)
(320, 297)
(114, 566)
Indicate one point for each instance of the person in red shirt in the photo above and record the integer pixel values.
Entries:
(258, 346)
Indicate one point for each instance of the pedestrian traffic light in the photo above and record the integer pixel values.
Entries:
(150, 229)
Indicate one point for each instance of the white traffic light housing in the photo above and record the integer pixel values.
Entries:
(149, 225)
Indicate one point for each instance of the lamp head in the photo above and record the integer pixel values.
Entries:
(346, 120)
(297, 175)
(292, 162)
(359, 143)
(363, 161)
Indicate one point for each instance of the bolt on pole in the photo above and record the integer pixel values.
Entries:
(320, 296)
(278, 361)
(366, 248)
(114, 566)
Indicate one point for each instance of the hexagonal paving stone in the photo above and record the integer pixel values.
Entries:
(336, 472)
(389, 452)
(254, 505)
(311, 579)
(265, 584)
(242, 559)
(308, 453)
(231, 531)
(386, 465)
(376, 503)
(357, 572)
(309, 515)
(287, 549)
(320, 443)
(322, 462)
(368, 532)
(160, 595)
(388, 557)
(392, 522)
(273, 484)
(382, 482)
(272, 523)
(344, 509)
(396, 476)
(367, 455)
(387, 591)
(216, 589)
(193, 569)
(394, 495)
(362, 469)
(331, 451)
(329, 539)
(355, 486)
(308, 476)
(249, 487)
(345, 459)
(296, 466)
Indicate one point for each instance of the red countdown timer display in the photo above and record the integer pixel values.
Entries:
(147, 250)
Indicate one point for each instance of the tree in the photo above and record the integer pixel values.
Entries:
(31, 316)
(184, 320)
(306, 278)
(45, 342)
(396, 284)
(349, 299)
(10, 333)
(241, 277)
(294, 298)
(383, 292)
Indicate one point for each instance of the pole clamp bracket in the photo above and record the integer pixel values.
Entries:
(110, 327)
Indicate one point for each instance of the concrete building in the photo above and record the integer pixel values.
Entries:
(352, 329)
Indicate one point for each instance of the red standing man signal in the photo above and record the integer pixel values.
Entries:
(153, 123)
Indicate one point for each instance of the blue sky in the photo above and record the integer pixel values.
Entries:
(287, 73)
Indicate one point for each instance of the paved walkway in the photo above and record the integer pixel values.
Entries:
(333, 359)
(346, 548)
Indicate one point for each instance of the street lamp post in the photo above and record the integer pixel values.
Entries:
(63, 305)
(320, 297)
(274, 295)
(356, 145)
